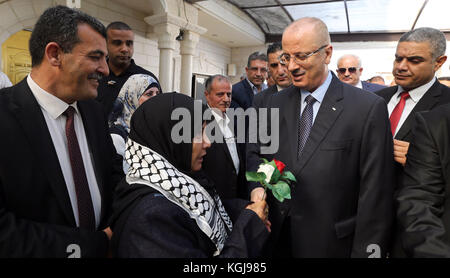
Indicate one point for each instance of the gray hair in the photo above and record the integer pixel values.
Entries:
(350, 55)
(434, 37)
(256, 56)
(210, 80)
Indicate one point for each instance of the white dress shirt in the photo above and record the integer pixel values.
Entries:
(359, 84)
(318, 95)
(410, 103)
(53, 109)
(223, 122)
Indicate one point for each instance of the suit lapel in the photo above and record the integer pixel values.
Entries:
(329, 111)
(388, 93)
(248, 90)
(427, 102)
(30, 117)
(290, 104)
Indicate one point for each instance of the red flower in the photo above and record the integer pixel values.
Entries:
(280, 165)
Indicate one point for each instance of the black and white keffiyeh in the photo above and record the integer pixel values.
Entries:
(149, 168)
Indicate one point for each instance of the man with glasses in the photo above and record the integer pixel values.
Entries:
(420, 53)
(349, 71)
(336, 140)
(244, 91)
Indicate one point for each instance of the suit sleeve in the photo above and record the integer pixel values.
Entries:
(375, 214)
(159, 229)
(421, 197)
(20, 238)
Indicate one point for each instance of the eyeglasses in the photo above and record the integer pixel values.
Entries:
(298, 57)
(350, 70)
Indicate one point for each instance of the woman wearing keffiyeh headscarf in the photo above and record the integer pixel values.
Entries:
(166, 207)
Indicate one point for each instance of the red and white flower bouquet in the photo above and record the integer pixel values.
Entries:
(272, 176)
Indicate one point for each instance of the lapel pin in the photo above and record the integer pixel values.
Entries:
(112, 82)
(334, 109)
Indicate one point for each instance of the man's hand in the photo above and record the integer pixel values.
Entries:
(400, 151)
(108, 233)
(257, 194)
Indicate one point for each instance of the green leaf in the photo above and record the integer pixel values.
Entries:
(255, 176)
(282, 189)
(264, 160)
(288, 175)
(268, 185)
(277, 196)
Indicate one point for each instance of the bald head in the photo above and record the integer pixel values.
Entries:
(310, 26)
(307, 50)
(350, 57)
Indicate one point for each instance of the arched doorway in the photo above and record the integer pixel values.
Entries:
(16, 59)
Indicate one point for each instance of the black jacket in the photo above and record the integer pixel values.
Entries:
(423, 199)
(342, 202)
(36, 217)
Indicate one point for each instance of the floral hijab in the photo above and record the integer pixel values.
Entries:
(128, 98)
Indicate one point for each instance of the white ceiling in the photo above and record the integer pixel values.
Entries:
(220, 24)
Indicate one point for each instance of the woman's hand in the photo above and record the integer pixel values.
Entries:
(262, 210)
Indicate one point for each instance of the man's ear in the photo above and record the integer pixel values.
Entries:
(439, 62)
(328, 53)
(53, 54)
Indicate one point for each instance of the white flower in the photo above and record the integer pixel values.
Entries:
(266, 169)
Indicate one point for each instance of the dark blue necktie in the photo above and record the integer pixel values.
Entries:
(305, 124)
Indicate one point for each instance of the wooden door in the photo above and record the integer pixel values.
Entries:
(16, 59)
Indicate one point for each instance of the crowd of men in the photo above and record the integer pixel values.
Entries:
(370, 161)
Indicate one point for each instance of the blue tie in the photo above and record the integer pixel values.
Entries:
(305, 124)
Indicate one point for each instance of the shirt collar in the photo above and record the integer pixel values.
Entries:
(254, 89)
(319, 93)
(417, 93)
(359, 84)
(220, 118)
(50, 103)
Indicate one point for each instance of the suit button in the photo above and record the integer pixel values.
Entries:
(283, 212)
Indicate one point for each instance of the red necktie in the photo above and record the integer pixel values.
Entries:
(85, 208)
(397, 112)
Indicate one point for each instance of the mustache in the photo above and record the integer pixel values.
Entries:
(95, 75)
(297, 71)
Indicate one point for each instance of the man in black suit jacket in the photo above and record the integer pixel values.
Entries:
(349, 71)
(224, 161)
(38, 192)
(423, 199)
(278, 72)
(342, 201)
(244, 91)
(420, 53)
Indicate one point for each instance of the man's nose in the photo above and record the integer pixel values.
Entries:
(103, 68)
(292, 66)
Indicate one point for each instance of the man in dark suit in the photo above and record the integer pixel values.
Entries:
(349, 71)
(420, 53)
(244, 91)
(277, 71)
(58, 168)
(224, 162)
(423, 199)
(336, 141)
